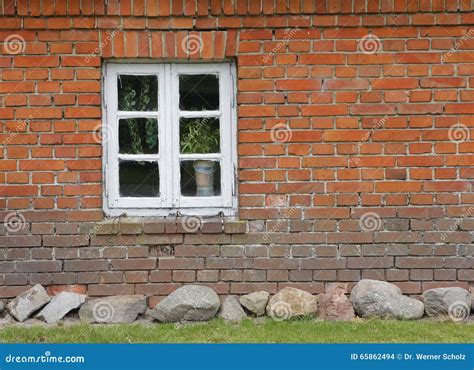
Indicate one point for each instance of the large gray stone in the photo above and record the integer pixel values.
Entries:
(188, 303)
(2, 307)
(231, 310)
(374, 298)
(28, 302)
(453, 302)
(255, 302)
(60, 306)
(291, 302)
(113, 310)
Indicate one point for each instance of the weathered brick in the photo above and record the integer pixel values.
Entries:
(131, 226)
(85, 265)
(185, 276)
(134, 264)
(136, 277)
(235, 227)
(65, 240)
(196, 250)
(181, 263)
(232, 251)
(38, 266)
(153, 225)
(110, 289)
(20, 241)
(111, 277)
(160, 276)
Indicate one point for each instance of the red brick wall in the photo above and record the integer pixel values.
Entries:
(352, 164)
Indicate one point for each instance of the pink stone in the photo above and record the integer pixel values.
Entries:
(334, 305)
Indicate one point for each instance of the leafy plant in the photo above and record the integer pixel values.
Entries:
(200, 137)
(133, 101)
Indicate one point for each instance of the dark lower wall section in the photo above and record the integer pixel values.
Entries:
(155, 256)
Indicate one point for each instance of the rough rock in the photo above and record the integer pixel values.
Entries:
(231, 310)
(188, 303)
(28, 302)
(255, 302)
(374, 298)
(113, 310)
(7, 320)
(291, 302)
(453, 302)
(2, 307)
(60, 306)
(334, 305)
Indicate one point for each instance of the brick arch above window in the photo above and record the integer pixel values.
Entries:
(203, 46)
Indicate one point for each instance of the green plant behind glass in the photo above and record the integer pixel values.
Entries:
(139, 102)
(200, 137)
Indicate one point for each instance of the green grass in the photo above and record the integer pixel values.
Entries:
(249, 331)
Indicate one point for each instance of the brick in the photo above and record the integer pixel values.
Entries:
(232, 251)
(85, 265)
(65, 240)
(160, 276)
(110, 289)
(38, 266)
(184, 276)
(181, 263)
(20, 241)
(131, 226)
(153, 225)
(231, 275)
(134, 264)
(207, 276)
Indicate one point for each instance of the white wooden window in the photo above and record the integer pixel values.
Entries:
(169, 135)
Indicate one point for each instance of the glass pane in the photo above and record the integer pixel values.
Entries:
(138, 136)
(137, 93)
(198, 92)
(139, 179)
(199, 135)
(200, 178)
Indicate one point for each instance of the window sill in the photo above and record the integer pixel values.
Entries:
(171, 225)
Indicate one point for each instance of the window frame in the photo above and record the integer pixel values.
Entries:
(168, 115)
